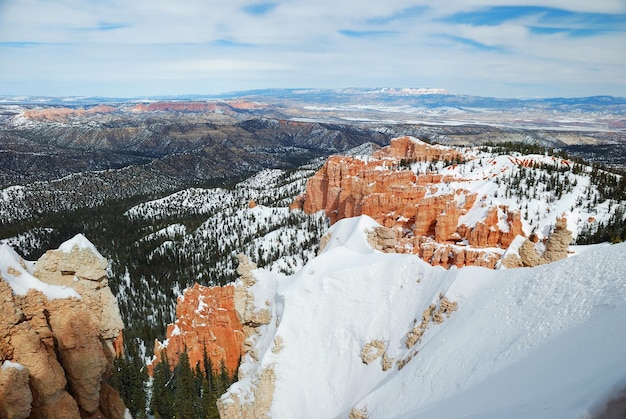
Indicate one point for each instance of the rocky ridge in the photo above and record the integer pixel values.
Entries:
(60, 330)
(422, 209)
(255, 321)
(424, 220)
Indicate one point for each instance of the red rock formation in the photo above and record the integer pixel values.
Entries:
(205, 317)
(410, 149)
(396, 198)
(102, 109)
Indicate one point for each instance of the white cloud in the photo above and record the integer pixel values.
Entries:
(218, 46)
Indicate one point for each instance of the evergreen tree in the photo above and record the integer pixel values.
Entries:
(162, 403)
(129, 379)
(185, 396)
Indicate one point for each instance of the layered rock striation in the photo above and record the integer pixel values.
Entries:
(427, 211)
(205, 321)
(60, 329)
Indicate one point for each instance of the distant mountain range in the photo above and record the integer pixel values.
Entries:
(423, 97)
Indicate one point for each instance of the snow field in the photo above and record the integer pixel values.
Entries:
(529, 342)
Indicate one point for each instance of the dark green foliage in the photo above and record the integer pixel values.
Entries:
(185, 396)
(188, 393)
(162, 403)
(129, 378)
(613, 231)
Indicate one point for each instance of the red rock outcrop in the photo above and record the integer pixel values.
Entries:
(412, 204)
(53, 114)
(205, 318)
(57, 339)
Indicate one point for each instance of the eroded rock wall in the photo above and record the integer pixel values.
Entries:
(56, 351)
(426, 221)
(205, 318)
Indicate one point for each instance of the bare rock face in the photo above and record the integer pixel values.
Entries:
(253, 318)
(58, 326)
(424, 222)
(556, 248)
(383, 239)
(84, 269)
(15, 395)
(263, 396)
(558, 242)
(205, 318)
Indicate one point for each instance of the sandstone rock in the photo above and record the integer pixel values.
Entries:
(557, 245)
(205, 318)
(412, 149)
(84, 270)
(59, 340)
(383, 239)
(558, 242)
(434, 313)
(80, 351)
(111, 404)
(411, 204)
(372, 351)
(277, 345)
(324, 242)
(245, 307)
(387, 362)
(512, 261)
(528, 254)
(15, 395)
(263, 393)
(356, 413)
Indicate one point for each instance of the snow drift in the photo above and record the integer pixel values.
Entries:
(530, 342)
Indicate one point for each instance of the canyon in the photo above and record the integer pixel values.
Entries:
(424, 210)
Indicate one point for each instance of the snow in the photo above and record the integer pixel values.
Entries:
(10, 364)
(544, 342)
(21, 280)
(79, 242)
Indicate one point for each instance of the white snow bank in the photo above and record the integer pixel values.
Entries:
(530, 343)
(20, 280)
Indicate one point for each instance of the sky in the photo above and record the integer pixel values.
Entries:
(122, 48)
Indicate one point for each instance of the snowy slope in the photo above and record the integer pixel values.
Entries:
(540, 187)
(541, 342)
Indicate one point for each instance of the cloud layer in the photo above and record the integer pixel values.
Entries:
(157, 47)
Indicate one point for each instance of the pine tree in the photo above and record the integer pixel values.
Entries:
(185, 396)
(162, 404)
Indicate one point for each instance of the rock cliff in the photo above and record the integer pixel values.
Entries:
(60, 329)
(556, 248)
(205, 318)
(428, 211)
(255, 321)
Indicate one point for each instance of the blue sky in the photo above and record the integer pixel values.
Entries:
(136, 48)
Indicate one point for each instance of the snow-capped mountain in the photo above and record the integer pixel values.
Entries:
(364, 334)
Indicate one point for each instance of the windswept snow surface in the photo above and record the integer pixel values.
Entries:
(545, 342)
